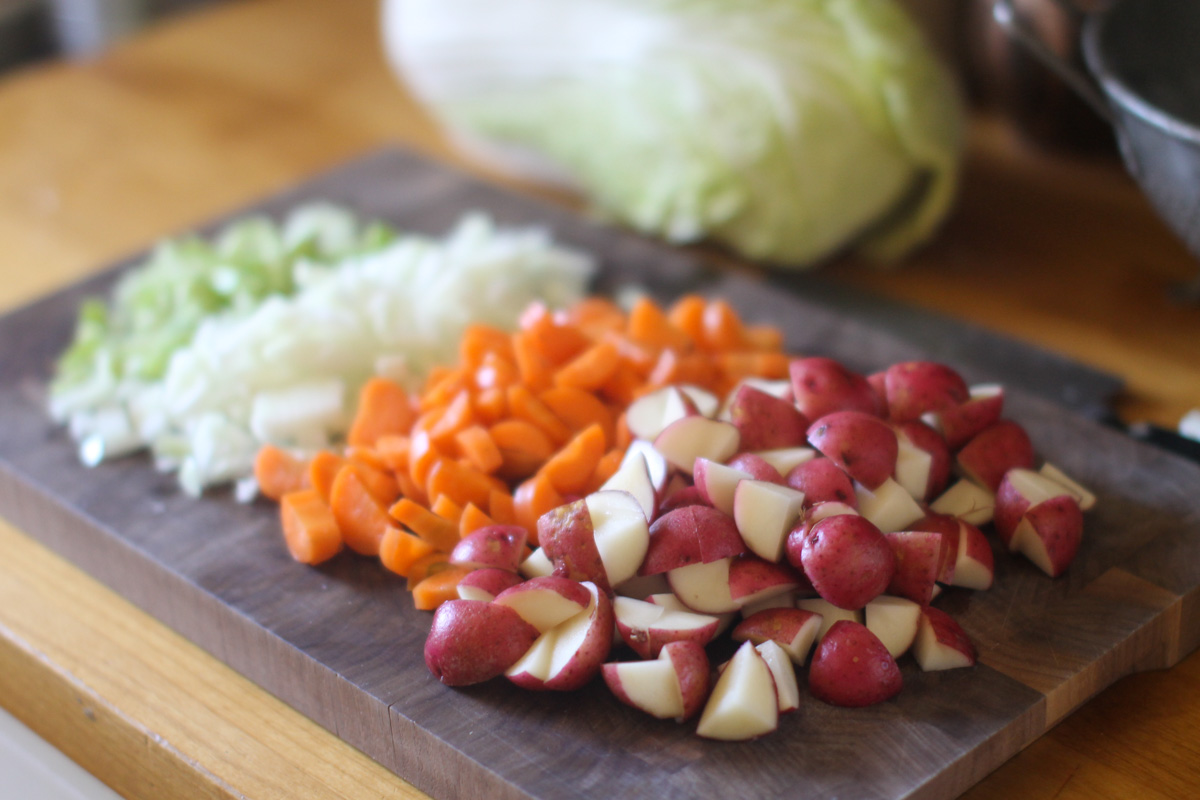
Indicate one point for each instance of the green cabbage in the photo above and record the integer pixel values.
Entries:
(786, 129)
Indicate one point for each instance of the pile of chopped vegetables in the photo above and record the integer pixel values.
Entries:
(209, 350)
(519, 424)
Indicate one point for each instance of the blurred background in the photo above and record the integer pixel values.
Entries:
(994, 71)
(33, 30)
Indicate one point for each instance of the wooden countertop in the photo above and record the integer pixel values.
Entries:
(211, 110)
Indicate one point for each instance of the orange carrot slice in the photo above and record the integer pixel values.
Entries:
(438, 587)
(591, 368)
(279, 472)
(438, 531)
(570, 469)
(309, 528)
(479, 449)
(322, 469)
(383, 408)
(361, 518)
(400, 549)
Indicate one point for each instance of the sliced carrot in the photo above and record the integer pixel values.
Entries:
(623, 386)
(480, 342)
(422, 455)
(322, 469)
(361, 518)
(523, 447)
(723, 328)
(440, 392)
(279, 472)
(400, 549)
(622, 436)
(641, 357)
(381, 483)
(570, 469)
(383, 408)
(687, 314)
(309, 527)
(740, 364)
(492, 404)
(694, 368)
(763, 337)
(523, 404)
(393, 451)
(533, 498)
(438, 531)
(438, 588)
(535, 369)
(649, 325)
(500, 508)
(596, 316)
(591, 368)
(361, 454)
(606, 467)
(473, 519)
(410, 488)
(425, 566)
(457, 415)
(496, 371)
(556, 339)
(478, 448)
(446, 508)
(461, 483)
(578, 409)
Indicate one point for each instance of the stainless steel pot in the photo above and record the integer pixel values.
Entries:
(1143, 65)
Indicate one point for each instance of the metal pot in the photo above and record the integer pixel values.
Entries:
(1143, 60)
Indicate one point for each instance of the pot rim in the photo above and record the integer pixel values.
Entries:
(1120, 93)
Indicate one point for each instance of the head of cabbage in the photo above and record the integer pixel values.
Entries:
(785, 129)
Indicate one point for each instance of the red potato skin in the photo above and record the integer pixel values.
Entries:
(749, 574)
(963, 422)
(994, 451)
(491, 580)
(918, 561)
(948, 631)
(1060, 523)
(694, 534)
(472, 641)
(862, 445)
(695, 674)
(681, 498)
(780, 625)
(589, 658)
(570, 589)
(566, 534)
(847, 560)
(756, 466)
(1011, 505)
(765, 421)
(821, 386)
(593, 653)
(948, 528)
(916, 387)
(820, 479)
(878, 381)
(499, 546)
(852, 668)
(942, 461)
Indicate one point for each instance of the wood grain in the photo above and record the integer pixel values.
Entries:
(342, 644)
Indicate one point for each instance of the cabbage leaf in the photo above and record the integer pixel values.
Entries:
(785, 129)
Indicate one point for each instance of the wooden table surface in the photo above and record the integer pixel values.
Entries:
(214, 109)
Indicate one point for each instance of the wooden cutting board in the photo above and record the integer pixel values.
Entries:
(343, 645)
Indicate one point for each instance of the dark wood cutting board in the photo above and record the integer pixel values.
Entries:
(343, 645)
